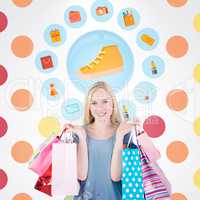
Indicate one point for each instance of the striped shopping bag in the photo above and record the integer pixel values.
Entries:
(154, 187)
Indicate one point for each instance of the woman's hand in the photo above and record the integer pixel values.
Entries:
(76, 129)
(126, 127)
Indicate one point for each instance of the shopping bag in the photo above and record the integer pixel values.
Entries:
(132, 185)
(155, 184)
(43, 183)
(42, 158)
(150, 150)
(128, 18)
(64, 169)
(46, 62)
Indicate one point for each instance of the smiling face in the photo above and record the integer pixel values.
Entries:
(101, 105)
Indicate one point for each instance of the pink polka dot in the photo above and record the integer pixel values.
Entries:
(3, 179)
(3, 76)
(154, 126)
(3, 127)
(3, 21)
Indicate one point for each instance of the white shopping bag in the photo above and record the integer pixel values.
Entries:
(64, 170)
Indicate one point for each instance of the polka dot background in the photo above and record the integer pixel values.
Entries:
(171, 116)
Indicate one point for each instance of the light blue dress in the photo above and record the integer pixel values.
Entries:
(99, 185)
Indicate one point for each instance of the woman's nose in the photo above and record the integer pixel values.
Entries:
(100, 107)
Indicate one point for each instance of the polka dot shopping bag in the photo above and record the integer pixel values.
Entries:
(132, 185)
(140, 179)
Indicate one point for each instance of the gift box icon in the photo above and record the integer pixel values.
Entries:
(55, 35)
(74, 16)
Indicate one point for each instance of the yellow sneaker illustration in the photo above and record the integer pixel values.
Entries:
(109, 60)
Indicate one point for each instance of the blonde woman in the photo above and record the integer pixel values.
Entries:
(100, 147)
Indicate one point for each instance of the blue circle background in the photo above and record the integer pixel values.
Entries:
(159, 63)
(143, 89)
(75, 115)
(62, 33)
(121, 20)
(102, 3)
(82, 13)
(151, 33)
(38, 62)
(60, 88)
(86, 48)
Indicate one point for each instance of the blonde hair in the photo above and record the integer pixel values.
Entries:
(115, 116)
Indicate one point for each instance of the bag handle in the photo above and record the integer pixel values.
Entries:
(133, 134)
(70, 138)
(63, 131)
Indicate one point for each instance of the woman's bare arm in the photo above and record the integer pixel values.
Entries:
(82, 159)
(116, 162)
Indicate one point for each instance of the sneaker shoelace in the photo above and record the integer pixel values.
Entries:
(98, 58)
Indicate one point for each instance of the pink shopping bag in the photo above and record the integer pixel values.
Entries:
(43, 157)
(148, 147)
(64, 170)
(156, 185)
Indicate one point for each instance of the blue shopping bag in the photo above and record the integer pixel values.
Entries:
(132, 184)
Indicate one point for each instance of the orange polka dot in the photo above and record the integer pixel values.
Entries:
(177, 3)
(177, 99)
(21, 196)
(178, 196)
(22, 99)
(177, 46)
(22, 46)
(22, 3)
(177, 151)
(21, 151)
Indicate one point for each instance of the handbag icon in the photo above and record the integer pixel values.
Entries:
(128, 18)
(46, 62)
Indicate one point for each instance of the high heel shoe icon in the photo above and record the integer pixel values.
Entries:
(109, 60)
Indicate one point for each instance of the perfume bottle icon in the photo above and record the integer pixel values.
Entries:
(53, 91)
(125, 112)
